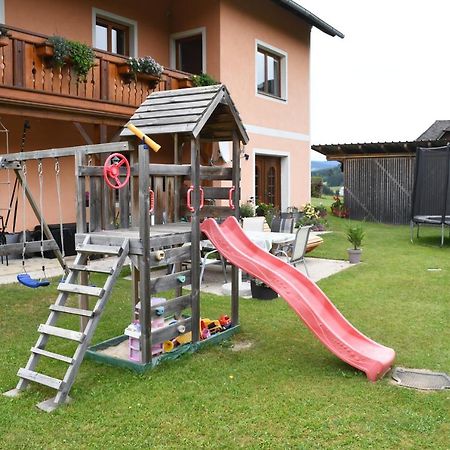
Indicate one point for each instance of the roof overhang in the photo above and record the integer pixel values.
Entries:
(340, 152)
(309, 17)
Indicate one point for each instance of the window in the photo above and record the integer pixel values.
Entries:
(113, 33)
(188, 51)
(271, 72)
(189, 54)
(112, 37)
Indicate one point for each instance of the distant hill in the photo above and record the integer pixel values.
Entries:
(323, 165)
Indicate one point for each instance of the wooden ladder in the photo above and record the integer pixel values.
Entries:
(65, 288)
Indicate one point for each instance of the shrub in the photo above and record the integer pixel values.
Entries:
(312, 216)
(203, 80)
(316, 187)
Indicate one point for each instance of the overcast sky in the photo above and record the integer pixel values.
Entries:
(388, 79)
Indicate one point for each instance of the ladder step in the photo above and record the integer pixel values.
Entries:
(81, 268)
(61, 332)
(39, 378)
(75, 311)
(40, 351)
(99, 249)
(81, 289)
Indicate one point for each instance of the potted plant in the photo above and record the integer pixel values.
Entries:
(4, 36)
(355, 235)
(246, 210)
(261, 291)
(144, 68)
(57, 51)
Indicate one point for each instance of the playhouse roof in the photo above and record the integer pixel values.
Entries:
(207, 111)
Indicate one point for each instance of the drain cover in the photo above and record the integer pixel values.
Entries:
(421, 379)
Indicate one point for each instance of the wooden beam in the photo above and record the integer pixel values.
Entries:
(83, 133)
(236, 197)
(144, 260)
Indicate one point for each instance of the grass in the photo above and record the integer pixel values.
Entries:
(285, 391)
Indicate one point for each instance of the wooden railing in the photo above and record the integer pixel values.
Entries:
(24, 64)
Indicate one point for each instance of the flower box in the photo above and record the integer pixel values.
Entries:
(127, 76)
(4, 41)
(45, 50)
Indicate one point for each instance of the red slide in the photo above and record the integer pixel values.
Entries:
(303, 296)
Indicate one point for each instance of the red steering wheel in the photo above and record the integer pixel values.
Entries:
(111, 171)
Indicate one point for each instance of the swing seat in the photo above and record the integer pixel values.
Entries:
(26, 280)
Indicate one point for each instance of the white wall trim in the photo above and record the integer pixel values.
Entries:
(283, 71)
(2, 11)
(132, 24)
(285, 173)
(275, 132)
(183, 34)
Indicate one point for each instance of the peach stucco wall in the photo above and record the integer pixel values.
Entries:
(73, 20)
(241, 24)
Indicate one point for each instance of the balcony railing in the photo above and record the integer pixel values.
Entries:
(24, 65)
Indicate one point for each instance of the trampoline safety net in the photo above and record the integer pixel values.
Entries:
(431, 193)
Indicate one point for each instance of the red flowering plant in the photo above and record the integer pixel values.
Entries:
(338, 207)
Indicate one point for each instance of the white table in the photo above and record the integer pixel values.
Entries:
(266, 239)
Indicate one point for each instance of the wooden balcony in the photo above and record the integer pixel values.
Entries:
(30, 86)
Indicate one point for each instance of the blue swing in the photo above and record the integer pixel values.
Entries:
(26, 280)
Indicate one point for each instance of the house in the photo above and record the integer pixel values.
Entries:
(260, 49)
(379, 176)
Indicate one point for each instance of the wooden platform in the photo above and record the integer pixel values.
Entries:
(160, 236)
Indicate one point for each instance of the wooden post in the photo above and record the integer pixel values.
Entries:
(195, 242)
(236, 197)
(177, 146)
(134, 188)
(80, 160)
(144, 260)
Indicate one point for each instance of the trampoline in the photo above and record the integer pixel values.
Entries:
(431, 193)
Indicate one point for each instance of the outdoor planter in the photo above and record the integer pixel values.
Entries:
(127, 76)
(4, 41)
(45, 50)
(262, 292)
(354, 256)
(185, 83)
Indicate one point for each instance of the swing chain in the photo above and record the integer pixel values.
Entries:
(41, 206)
(24, 236)
(57, 168)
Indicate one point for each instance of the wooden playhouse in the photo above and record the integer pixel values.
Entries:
(154, 220)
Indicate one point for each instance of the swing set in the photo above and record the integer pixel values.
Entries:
(115, 176)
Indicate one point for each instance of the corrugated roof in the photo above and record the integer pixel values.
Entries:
(345, 151)
(309, 17)
(207, 110)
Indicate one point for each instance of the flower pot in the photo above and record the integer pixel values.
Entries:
(354, 256)
(262, 292)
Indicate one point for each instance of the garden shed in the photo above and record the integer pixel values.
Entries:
(379, 177)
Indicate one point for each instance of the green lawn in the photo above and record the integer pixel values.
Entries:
(285, 391)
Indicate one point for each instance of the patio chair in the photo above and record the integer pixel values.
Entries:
(207, 250)
(298, 249)
(253, 223)
(283, 225)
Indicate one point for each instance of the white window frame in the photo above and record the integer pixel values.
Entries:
(2, 11)
(285, 176)
(283, 71)
(184, 34)
(131, 24)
